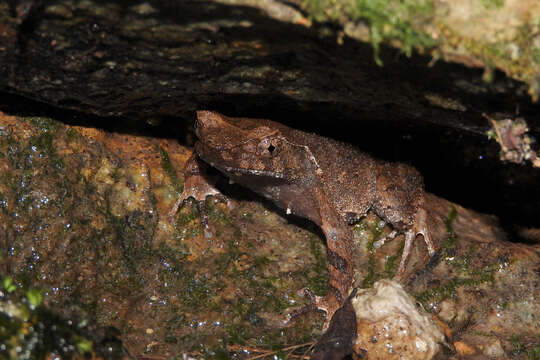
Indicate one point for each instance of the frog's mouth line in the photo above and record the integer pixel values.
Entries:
(203, 149)
(233, 170)
(223, 147)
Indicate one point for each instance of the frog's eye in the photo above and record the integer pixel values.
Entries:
(268, 147)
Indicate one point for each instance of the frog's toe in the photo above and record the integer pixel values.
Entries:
(380, 242)
(179, 202)
(419, 228)
(422, 228)
(327, 304)
(197, 187)
(222, 198)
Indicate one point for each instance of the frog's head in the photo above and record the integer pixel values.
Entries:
(242, 146)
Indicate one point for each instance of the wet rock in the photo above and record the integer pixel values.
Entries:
(391, 325)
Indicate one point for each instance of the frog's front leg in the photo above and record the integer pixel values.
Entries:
(197, 185)
(340, 256)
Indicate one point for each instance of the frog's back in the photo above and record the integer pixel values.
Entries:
(348, 175)
(355, 182)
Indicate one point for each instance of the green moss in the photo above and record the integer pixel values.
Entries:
(9, 285)
(516, 56)
(116, 173)
(371, 276)
(466, 274)
(391, 264)
(259, 262)
(14, 156)
(43, 124)
(531, 353)
(483, 333)
(232, 247)
(33, 161)
(188, 222)
(242, 308)
(196, 293)
(30, 331)
(222, 262)
(318, 283)
(73, 134)
(388, 20)
(452, 216)
(276, 303)
(188, 214)
(376, 232)
(535, 55)
(394, 20)
(168, 168)
(215, 214)
(191, 233)
(449, 246)
(270, 292)
(449, 288)
(130, 234)
(493, 4)
(237, 334)
(43, 141)
(34, 297)
(322, 10)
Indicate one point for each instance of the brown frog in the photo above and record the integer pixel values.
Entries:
(328, 182)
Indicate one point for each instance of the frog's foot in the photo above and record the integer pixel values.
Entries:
(327, 304)
(419, 228)
(198, 187)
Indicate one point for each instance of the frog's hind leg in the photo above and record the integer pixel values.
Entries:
(419, 227)
(341, 254)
